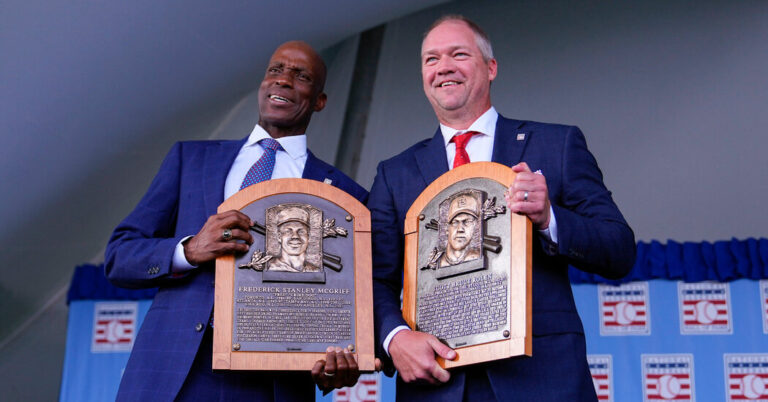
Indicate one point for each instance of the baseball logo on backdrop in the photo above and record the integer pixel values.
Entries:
(705, 308)
(746, 377)
(624, 309)
(114, 326)
(367, 389)
(668, 377)
(601, 369)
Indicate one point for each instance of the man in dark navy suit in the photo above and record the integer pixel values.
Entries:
(174, 235)
(558, 186)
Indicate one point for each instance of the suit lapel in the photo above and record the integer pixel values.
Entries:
(218, 161)
(432, 159)
(315, 169)
(509, 142)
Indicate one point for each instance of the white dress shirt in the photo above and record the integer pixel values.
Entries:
(289, 163)
(480, 149)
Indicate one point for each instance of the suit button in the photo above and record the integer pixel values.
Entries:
(199, 327)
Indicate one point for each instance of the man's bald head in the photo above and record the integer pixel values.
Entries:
(318, 62)
(292, 89)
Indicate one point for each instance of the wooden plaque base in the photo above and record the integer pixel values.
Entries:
(225, 355)
(517, 339)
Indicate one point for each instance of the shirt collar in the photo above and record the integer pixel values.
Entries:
(294, 145)
(485, 124)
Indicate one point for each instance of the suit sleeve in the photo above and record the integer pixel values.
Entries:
(592, 233)
(387, 238)
(139, 253)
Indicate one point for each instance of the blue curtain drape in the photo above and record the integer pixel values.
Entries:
(721, 261)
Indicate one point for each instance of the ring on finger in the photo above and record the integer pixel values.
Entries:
(226, 235)
(525, 196)
(328, 374)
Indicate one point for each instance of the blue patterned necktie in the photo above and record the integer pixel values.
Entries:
(262, 169)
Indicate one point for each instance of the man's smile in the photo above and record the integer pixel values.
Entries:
(279, 99)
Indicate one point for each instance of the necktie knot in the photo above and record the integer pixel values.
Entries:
(269, 143)
(263, 168)
(461, 141)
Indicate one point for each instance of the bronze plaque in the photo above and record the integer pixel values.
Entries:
(304, 285)
(468, 283)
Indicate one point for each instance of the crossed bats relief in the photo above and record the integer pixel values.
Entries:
(259, 259)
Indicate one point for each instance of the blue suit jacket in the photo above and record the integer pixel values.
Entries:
(187, 190)
(592, 236)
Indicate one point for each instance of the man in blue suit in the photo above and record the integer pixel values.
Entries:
(558, 186)
(174, 235)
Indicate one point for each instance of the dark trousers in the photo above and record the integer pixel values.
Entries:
(205, 385)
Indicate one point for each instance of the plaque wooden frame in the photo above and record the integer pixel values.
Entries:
(224, 357)
(519, 285)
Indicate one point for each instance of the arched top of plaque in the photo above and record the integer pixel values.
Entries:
(489, 170)
(269, 188)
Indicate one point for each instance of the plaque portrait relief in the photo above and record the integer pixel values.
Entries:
(294, 244)
(460, 230)
(294, 238)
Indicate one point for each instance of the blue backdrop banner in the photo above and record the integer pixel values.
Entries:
(689, 322)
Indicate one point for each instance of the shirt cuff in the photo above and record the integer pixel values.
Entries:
(551, 231)
(391, 335)
(180, 264)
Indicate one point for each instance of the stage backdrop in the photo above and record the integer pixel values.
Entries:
(690, 322)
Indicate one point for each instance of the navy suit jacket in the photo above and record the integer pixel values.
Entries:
(592, 236)
(187, 190)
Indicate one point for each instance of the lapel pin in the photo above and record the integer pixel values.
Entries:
(520, 136)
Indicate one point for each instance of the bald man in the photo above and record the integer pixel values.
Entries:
(173, 237)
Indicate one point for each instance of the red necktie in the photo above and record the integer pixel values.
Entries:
(461, 141)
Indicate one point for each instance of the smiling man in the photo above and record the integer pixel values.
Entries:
(172, 238)
(558, 186)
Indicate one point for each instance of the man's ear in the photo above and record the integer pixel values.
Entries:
(492, 69)
(320, 101)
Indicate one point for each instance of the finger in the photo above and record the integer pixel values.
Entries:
(377, 364)
(353, 373)
(342, 369)
(317, 371)
(225, 248)
(238, 234)
(524, 178)
(330, 360)
(521, 167)
(441, 349)
(234, 219)
(440, 374)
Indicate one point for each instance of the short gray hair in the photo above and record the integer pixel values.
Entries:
(481, 38)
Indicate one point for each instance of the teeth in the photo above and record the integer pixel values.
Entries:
(449, 83)
(278, 98)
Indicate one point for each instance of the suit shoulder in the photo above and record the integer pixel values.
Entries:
(342, 181)
(202, 143)
(548, 127)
